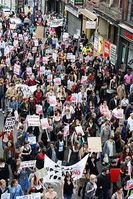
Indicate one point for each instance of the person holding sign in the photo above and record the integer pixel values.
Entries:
(15, 189)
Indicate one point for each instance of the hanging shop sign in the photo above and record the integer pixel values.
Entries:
(106, 49)
(90, 24)
(112, 54)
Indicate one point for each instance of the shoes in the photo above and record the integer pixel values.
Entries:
(0, 109)
(3, 112)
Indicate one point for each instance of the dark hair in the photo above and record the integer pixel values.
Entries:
(13, 182)
(105, 169)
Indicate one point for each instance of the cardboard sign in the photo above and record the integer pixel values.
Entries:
(5, 196)
(12, 26)
(57, 81)
(44, 123)
(33, 120)
(66, 130)
(39, 109)
(49, 78)
(34, 49)
(84, 80)
(27, 164)
(9, 124)
(29, 70)
(40, 32)
(118, 113)
(36, 43)
(16, 69)
(94, 144)
(52, 100)
(32, 140)
(42, 70)
(79, 130)
(74, 97)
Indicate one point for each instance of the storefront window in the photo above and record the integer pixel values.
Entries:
(130, 56)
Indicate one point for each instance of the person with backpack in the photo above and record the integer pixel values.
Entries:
(91, 186)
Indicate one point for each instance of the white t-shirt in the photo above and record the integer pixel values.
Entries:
(130, 123)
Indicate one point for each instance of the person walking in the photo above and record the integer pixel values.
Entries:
(91, 187)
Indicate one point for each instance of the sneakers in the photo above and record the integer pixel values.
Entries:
(0, 109)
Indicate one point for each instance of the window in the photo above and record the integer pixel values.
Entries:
(130, 11)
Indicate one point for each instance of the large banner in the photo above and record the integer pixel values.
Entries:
(55, 171)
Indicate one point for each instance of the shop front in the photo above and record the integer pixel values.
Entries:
(74, 20)
(125, 46)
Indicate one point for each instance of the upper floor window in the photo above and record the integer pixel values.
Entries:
(131, 11)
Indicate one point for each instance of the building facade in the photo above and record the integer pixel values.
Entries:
(125, 37)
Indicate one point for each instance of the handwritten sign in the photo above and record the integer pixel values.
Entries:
(27, 164)
(94, 144)
(10, 123)
(33, 120)
(44, 123)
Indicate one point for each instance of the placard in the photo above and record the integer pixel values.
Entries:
(66, 130)
(90, 25)
(84, 80)
(94, 144)
(5, 196)
(49, 78)
(32, 140)
(113, 54)
(33, 120)
(40, 32)
(52, 100)
(16, 69)
(27, 164)
(118, 113)
(79, 130)
(12, 26)
(39, 109)
(42, 70)
(57, 81)
(28, 70)
(9, 124)
(44, 123)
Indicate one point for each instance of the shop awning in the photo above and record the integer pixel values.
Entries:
(72, 11)
(88, 14)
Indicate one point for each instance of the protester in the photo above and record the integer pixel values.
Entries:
(56, 96)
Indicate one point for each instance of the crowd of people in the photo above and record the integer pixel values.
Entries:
(73, 88)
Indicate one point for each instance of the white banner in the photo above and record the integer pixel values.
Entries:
(30, 196)
(27, 164)
(25, 89)
(55, 171)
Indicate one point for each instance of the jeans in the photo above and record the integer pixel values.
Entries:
(67, 197)
(2, 103)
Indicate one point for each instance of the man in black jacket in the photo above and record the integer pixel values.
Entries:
(4, 170)
(103, 184)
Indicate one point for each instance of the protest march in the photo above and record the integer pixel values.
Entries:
(68, 115)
